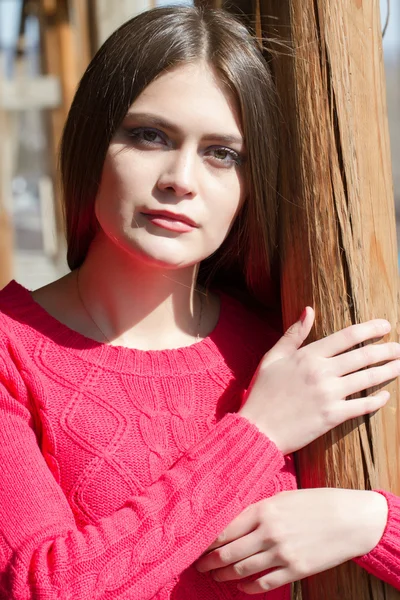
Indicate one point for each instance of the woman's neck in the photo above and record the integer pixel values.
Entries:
(138, 304)
(124, 301)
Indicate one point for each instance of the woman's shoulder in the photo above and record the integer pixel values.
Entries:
(14, 301)
(21, 318)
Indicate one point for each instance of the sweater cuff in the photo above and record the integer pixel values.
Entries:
(243, 455)
(384, 560)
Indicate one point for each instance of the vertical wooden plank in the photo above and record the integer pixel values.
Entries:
(66, 52)
(82, 34)
(52, 65)
(8, 159)
(338, 236)
(6, 228)
(6, 246)
(69, 71)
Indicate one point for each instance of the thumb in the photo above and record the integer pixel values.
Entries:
(293, 338)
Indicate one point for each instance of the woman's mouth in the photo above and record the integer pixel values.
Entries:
(170, 221)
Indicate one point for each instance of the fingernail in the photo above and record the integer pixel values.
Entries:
(383, 398)
(303, 315)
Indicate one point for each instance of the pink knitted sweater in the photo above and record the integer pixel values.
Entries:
(119, 467)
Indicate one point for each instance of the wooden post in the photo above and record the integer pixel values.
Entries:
(66, 53)
(6, 229)
(338, 238)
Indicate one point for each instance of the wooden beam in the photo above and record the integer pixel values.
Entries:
(69, 66)
(6, 247)
(66, 50)
(338, 241)
(6, 228)
(52, 64)
(66, 54)
(82, 34)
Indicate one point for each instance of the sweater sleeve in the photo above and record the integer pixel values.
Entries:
(141, 547)
(384, 560)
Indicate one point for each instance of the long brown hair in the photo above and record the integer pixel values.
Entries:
(131, 58)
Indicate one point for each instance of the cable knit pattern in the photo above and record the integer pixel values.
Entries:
(119, 467)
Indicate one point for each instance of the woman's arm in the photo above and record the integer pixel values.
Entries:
(384, 560)
(300, 533)
(141, 547)
(303, 532)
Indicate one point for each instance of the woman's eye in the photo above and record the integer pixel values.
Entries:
(225, 156)
(221, 154)
(149, 135)
(145, 136)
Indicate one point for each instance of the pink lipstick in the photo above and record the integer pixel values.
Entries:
(170, 221)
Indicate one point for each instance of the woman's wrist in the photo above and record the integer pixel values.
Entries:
(375, 515)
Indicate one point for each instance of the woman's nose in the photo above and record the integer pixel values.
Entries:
(179, 173)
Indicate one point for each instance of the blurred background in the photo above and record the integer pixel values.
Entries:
(45, 45)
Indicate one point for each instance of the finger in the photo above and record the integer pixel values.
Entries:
(349, 337)
(351, 409)
(364, 357)
(368, 378)
(244, 523)
(292, 338)
(230, 553)
(245, 568)
(277, 578)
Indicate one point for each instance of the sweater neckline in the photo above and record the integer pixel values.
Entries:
(202, 354)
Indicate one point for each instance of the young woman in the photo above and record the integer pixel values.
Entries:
(137, 461)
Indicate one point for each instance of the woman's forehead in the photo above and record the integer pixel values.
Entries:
(190, 95)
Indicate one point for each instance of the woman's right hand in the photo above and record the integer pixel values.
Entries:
(298, 394)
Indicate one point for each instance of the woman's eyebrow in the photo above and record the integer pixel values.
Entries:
(151, 119)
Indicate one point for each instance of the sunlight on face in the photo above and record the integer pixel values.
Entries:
(172, 181)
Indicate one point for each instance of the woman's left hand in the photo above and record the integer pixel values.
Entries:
(296, 534)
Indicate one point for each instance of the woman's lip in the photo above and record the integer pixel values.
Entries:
(170, 222)
(170, 215)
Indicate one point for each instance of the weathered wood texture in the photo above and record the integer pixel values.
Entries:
(338, 238)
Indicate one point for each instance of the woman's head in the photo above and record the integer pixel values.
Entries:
(141, 51)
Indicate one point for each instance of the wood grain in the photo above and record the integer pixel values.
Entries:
(338, 238)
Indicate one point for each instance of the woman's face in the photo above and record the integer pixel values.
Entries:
(172, 182)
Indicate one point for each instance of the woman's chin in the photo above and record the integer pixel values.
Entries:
(153, 252)
(161, 256)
